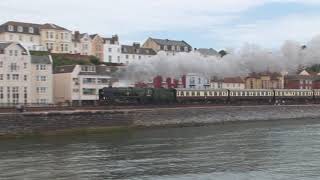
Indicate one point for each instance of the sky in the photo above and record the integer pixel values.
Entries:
(219, 24)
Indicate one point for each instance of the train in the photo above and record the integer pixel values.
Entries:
(131, 95)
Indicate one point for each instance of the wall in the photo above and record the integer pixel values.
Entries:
(26, 123)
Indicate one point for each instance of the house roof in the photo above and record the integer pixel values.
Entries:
(273, 75)
(4, 45)
(25, 26)
(40, 60)
(53, 26)
(233, 80)
(126, 49)
(167, 42)
(64, 69)
(208, 52)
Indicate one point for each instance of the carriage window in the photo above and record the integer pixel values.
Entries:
(205, 93)
(210, 93)
(193, 93)
(198, 93)
(231, 94)
(187, 94)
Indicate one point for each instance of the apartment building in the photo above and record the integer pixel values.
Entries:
(112, 50)
(170, 47)
(197, 81)
(56, 38)
(80, 84)
(264, 80)
(81, 43)
(130, 54)
(24, 79)
(97, 43)
(27, 34)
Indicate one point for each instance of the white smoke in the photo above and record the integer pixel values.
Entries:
(249, 58)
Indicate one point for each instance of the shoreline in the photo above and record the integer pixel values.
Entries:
(55, 123)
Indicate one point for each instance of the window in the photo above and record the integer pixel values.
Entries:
(61, 35)
(20, 38)
(31, 30)
(10, 28)
(25, 77)
(8, 77)
(103, 81)
(47, 33)
(66, 47)
(13, 67)
(25, 65)
(75, 90)
(10, 53)
(41, 67)
(66, 36)
(1, 64)
(118, 59)
(31, 39)
(89, 91)
(15, 77)
(110, 58)
(61, 47)
(1, 77)
(1, 93)
(89, 80)
(41, 90)
(127, 56)
(51, 35)
(20, 29)
(88, 68)
(109, 49)
(139, 57)
(15, 95)
(16, 52)
(42, 78)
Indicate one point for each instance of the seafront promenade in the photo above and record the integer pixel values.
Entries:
(53, 122)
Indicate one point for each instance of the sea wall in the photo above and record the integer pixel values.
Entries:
(40, 122)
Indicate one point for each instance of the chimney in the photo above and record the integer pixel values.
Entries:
(115, 38)
(136, 45)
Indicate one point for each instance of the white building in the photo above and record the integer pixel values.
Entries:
(124, 54)
(228, 83)
(80, 84)
(197, 81)
(133, 53)
(112, 50)
(24, 79)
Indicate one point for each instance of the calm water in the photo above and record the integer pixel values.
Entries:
(255, 150)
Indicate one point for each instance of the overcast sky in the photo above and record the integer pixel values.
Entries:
(202, 23)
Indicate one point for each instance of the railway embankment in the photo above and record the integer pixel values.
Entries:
(53, 122)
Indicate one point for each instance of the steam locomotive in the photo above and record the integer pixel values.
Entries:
(215, 96)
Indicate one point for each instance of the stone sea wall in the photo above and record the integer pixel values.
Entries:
(30, 123)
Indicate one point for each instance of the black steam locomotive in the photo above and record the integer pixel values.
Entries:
(214, 96)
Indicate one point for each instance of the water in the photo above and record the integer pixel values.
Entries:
(255, 150)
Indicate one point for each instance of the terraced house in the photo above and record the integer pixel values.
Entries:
(170, 47)
(24, 79)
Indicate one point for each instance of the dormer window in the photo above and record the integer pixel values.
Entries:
(20, 29)
(31, 30)
(88, 68)
(10, 28)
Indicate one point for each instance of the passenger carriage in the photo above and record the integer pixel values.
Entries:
(293, 96)
(202, 95)
(251, 96)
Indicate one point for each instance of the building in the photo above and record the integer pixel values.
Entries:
(197, 81)
(80, 84)
(97, 43)
(27, 34)
(171, 47)
(24, 79)
(265, 80)
(227, 83)
(81, 43)
(133, 53)
(56, 38)
(112, 50)
(303, 80)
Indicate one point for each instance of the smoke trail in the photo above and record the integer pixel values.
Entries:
(250, 58)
